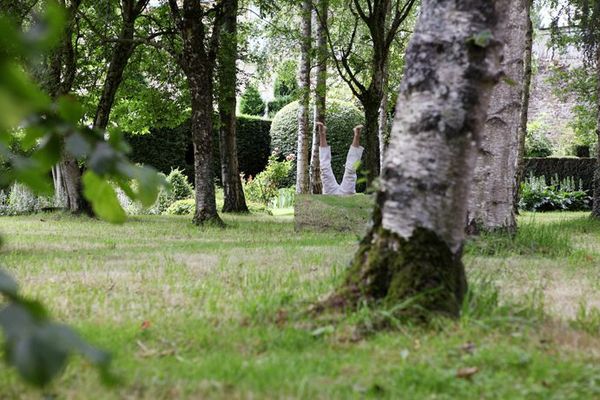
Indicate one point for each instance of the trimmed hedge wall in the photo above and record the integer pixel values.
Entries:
(169, 148)
(578, 168)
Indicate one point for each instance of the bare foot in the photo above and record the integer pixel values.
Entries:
(357, 131)
(322, 130)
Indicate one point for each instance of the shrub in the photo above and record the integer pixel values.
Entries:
(179, 189)
(251, 103)
(264, 188)
(561, 195)
(276, 105)
(341, 118)
(536, 142)
(182, 207)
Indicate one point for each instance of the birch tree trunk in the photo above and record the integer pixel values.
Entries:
(596, 205)
(316, 186)
(235, 200)
(413, 250)
(491, 204)
(525, 108)
(302, 163)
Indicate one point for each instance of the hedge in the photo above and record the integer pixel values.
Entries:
(169, 148)
(578, 168)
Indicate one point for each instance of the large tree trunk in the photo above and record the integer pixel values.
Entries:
(198, 61)
(302, 171)
(316, 186)
(491, 204)
(62, 73)
(596, 206)
(372, 159)
(525, 106)
(413, 250)
(235, 201)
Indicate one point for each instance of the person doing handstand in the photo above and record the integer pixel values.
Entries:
(330, 185)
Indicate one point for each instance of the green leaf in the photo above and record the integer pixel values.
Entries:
(103, 198)
(482, 39)
(69, 109)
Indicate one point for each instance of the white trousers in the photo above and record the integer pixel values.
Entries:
(348, 185)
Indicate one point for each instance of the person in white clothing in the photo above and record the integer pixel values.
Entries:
(330, 185)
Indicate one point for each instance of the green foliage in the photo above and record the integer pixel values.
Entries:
(264, 187)
(559, 195)
(251, 103)
(179, 188)
(536, 142)
(342, 117)
(579, 83)
(171, 148)
(182, 207)
(286, 83)
(274, 106)
(37, 347)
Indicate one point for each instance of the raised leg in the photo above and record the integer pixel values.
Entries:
(330, 185)
(348, 185)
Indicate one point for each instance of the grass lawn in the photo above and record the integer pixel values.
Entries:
(209, 313)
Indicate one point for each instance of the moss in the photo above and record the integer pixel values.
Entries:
(421, 271)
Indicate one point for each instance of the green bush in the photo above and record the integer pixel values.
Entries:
(264, 188)
(251, 103)
(179, 189)
(276, 105)
(171, 148)
(559, 195)
(536, 142)
(341, 118)
(182, 207)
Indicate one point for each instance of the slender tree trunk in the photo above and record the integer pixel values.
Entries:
(232, 184)
(525, 108)
(120, 58)
(413, 250)
(302, 162)
(596, 206)
(491, 204)
(383, 134)
(316, 186)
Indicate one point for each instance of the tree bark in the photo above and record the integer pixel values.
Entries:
(198, 60)
(491, 204)
(527, 75)
(413, 250)
(62, 74)
(302, 162)
(596, 205)
(235, 202)
(122, 52)
(316, 186)
(383, 135)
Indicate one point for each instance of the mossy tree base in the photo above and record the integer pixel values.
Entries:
(421, 273)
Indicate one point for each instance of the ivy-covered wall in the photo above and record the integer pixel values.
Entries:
(578, 168)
